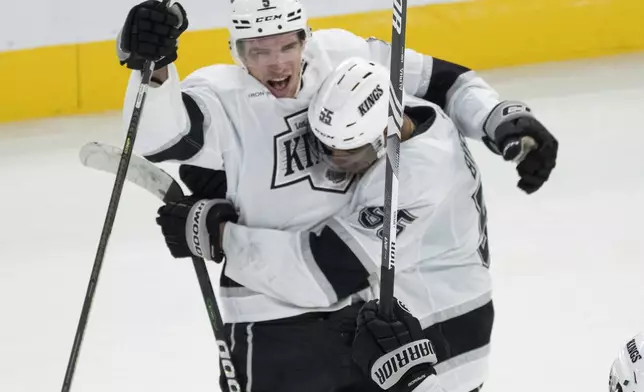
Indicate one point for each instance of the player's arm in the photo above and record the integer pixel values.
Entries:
(458, 90)
(476, 110)
(318, 268)
(306, 268)
(180, 121)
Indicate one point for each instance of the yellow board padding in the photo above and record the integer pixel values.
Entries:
(480, 34)
(103, 80)
(38, 82)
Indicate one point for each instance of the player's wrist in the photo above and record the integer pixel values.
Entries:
(159, 77)
(414, 377)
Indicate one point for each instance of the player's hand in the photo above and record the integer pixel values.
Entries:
(151, 32)
(393, 352)
(507, 125)
(191, 226)
(204, 183)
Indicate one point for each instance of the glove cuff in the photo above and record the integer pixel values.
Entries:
(197, 231)
(504, 112)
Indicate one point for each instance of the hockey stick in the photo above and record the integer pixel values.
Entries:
(156, 181)
(397, 66)
(516, 149)
(121, 172)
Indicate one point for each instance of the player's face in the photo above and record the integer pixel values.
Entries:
(276, 62)
(355, 161)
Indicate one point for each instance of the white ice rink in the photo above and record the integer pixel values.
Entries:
(568, 261)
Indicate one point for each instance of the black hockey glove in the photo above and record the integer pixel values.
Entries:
(394, 353)
(191, 226)
(507, 124)
(204, 183)
(150, 32)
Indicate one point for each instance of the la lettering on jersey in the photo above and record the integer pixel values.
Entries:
(296, 158)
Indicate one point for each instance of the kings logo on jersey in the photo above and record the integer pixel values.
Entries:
(295, 159)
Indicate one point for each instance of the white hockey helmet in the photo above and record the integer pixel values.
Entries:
(263, 18)
(349, 112)
(627, 373)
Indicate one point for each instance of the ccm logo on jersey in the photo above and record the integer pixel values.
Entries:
(258, 94)
(390, 368)
(633, 351)
(268, 18)
(371, 100)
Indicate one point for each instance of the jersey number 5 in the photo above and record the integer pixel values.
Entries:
(374, 218)
(484, 248)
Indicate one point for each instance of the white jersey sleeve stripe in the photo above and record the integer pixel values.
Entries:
(456, 311)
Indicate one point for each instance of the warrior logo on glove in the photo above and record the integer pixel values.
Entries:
(389, 369)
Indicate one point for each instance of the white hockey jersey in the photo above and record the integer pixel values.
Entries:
(220, 117)
(431, 384)
(442, 255)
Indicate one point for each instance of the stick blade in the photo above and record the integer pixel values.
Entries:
(141, 172)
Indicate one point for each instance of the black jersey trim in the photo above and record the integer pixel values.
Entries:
(340, 266)
(443, 78)
(189, 145)
(462, 334)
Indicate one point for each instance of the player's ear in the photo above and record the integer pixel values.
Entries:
(241, 49)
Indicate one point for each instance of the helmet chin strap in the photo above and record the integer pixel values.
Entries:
(379, 146)
(300, 82)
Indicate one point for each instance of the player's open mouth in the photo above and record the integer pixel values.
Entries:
(279, 84)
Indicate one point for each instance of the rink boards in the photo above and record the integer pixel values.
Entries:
(73, 78)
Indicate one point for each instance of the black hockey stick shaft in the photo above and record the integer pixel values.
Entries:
(227, 367)
(396, 114)
(159, 183)
(109, 223)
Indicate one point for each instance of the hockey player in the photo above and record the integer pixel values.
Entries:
(442, 249)
(280, 64)
(627, 372)
(250, 120)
